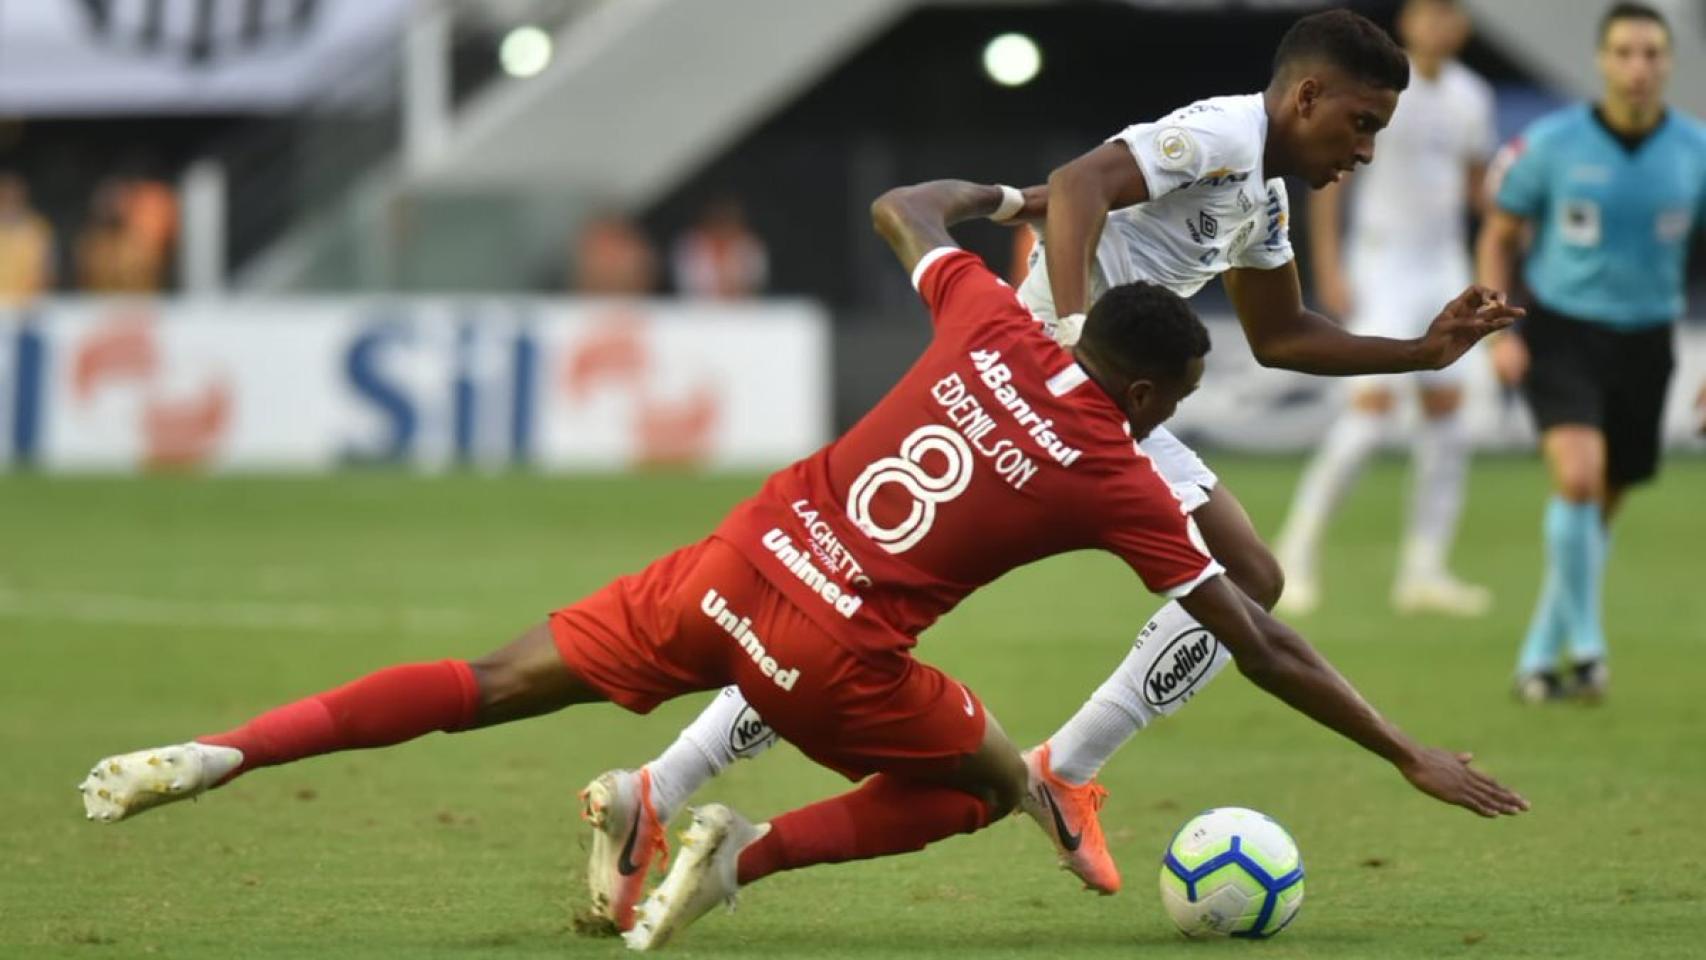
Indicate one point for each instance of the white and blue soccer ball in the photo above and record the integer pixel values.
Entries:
(1232, 872)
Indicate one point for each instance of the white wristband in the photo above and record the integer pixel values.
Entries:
(1012, 201)
(1069, 329)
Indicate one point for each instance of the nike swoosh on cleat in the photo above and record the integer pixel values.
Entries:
(1068, 839)
(625, 864)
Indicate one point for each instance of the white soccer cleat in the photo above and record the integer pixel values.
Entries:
(124, 786)
(704, 875)
(627, 839)
(1441, 593)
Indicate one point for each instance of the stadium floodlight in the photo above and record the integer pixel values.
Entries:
(525, 52)
(1012, 59)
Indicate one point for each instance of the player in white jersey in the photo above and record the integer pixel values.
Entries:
(1187, 198)
(1408, 250)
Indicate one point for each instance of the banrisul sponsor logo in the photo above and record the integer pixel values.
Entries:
(748, 732)
(1179, 667)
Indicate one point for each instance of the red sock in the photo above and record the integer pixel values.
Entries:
(884, 816)
(380, 709)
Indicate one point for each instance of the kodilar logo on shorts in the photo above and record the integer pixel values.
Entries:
(1180, 667)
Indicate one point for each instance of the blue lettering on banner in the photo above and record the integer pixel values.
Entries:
(29, 361)
(368, 380)
(472, 409)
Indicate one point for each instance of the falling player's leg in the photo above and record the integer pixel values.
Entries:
(384, 708)
(1330, 475)
(534, 674)
(1440, 471)
(932, 782)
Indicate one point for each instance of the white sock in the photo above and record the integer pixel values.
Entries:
(726, 730)
(1172, 658)
(1436, 499)
(1330, 474)
(216, 761)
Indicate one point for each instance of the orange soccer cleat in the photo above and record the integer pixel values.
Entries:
(627, 841)
(1067, 813)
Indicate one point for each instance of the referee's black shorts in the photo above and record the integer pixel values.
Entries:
(1596, 375)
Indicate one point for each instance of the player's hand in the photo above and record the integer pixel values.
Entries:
(1335, 296)
(1447, 776)
(1700, 408)
(1476, 312)
(1510, 359)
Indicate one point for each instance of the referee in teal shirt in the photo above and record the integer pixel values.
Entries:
(1612, 193)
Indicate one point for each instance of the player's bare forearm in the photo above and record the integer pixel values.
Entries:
(1276, 659)
(1283, 664)
(1080, 194)
(915, 219)
(1283, 333)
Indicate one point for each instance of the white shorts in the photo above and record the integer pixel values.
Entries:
(1179, 465)
(1398, 293)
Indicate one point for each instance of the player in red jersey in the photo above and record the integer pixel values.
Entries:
(810, 595)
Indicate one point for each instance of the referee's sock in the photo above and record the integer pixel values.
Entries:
(1575, 551)
(1585, 575)
(1546, 629)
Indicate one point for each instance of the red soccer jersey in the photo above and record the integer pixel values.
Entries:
(993, 451)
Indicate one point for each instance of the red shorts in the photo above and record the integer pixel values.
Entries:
(703, 618)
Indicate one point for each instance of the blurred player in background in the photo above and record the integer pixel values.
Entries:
(1175, 202)
(1610, 194)
(1408, 252)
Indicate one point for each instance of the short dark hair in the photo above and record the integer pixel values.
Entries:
(1349, 41)
(1630, 11)
(1140, 329)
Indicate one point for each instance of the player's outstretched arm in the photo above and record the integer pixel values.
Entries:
(915, 219)
(1080, 194)
(1279, 661)
(1283, 333)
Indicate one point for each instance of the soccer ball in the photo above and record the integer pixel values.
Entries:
(1232, 872)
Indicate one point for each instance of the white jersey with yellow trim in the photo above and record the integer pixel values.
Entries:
(1210, 207)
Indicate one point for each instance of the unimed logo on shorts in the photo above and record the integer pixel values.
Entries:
(1179, 667)
(716, 606)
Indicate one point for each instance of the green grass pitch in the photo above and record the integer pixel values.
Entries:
(137, 612)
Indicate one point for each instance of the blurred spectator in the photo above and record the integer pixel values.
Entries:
(151, 213)
(121, 249)
(613, 257)
(720, 257)
(26, 245)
